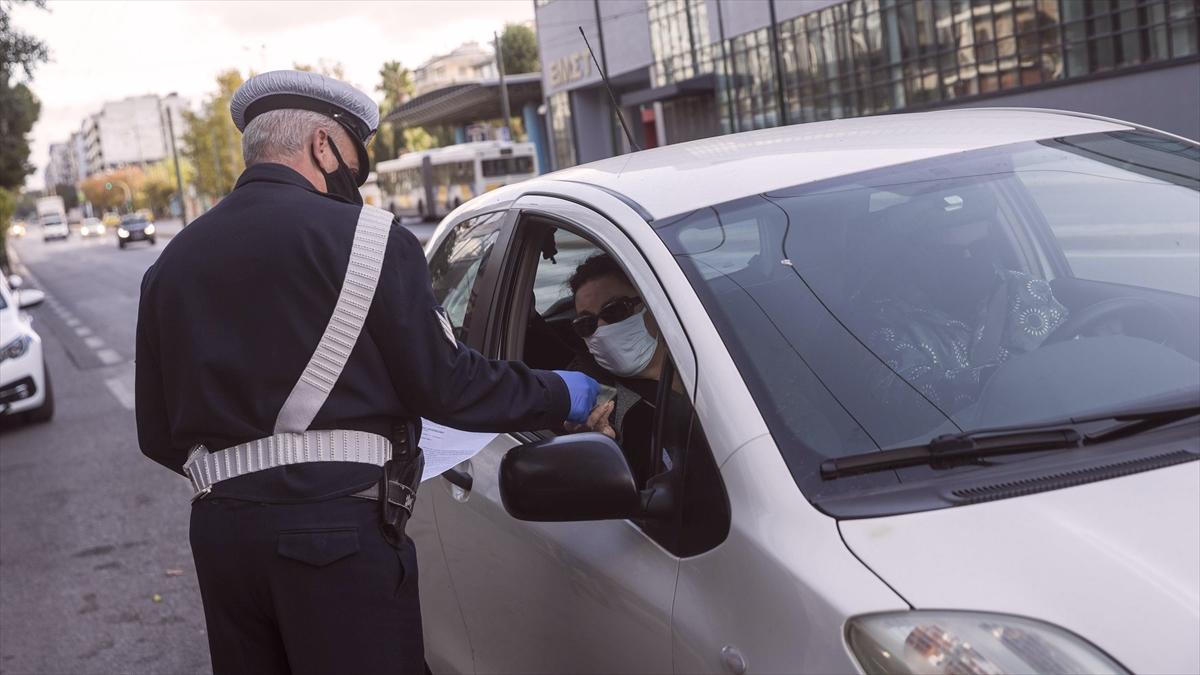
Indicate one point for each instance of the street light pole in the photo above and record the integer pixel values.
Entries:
(504, 110)
(178, 175)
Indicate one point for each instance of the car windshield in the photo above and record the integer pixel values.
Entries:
(136, 221)
(983, 289)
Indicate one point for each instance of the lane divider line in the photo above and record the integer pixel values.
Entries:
(108, 356)
(121, 390)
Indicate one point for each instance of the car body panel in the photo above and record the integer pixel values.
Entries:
(782, 585)
(448, 648)
(678, 178)
(602, 590)
(1103, 560)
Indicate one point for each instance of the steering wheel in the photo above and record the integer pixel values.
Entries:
(1150, 319)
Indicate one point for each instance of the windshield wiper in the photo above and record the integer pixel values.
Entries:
(969, 447)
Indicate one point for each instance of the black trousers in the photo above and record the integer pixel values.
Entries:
(305, 588)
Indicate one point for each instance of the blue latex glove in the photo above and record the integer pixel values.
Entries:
(584, 391)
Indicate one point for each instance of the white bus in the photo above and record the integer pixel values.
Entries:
(432, 183)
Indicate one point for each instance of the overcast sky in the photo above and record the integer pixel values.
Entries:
(103, 50)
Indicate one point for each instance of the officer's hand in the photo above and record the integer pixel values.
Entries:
(597, 421)
(583, 390)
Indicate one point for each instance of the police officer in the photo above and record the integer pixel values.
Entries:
(288, 342)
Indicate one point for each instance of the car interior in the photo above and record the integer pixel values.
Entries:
(808, 269)
(661, 440)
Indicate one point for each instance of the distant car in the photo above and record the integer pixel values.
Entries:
(111, 219)
(24, 381)
(92, 227)
(53, 227)
(17, 229)
(135, 228)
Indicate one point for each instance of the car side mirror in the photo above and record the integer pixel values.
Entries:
(569, 478)
(29, 297)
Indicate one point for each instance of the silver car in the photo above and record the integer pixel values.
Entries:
(925, 402)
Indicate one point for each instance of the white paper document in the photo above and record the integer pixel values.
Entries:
(444, 447)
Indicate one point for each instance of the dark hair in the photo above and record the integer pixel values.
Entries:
(596, 267)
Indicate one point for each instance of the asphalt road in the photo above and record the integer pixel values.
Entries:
(96, 575)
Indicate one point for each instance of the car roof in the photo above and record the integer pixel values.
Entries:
(674, 179)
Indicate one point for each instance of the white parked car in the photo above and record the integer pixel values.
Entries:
(24, 381)
(927, 403)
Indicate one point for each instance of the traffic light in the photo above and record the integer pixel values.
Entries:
(108, 186)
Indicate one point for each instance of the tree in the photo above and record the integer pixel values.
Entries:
(107, 191)
(160, 187)
(396, 85)
(518, 44)
(212, 144)
(19, 109)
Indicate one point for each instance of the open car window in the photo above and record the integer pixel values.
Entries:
(653, 419)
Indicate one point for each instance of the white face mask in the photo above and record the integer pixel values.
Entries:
(624, 348)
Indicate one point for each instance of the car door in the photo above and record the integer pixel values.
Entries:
(457, 268)
(560, 597)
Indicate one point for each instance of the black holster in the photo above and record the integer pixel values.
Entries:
(400, 480)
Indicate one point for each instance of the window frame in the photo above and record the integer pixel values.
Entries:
(485, 280)
(514, 267)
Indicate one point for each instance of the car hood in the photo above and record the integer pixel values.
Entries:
(1116, 562)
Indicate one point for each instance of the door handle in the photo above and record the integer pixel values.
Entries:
(460, 478)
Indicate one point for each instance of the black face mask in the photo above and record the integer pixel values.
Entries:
(340, 181)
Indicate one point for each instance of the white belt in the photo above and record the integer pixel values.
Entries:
(292, 443)
(205, 468)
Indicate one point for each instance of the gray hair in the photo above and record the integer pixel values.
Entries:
(278, 135)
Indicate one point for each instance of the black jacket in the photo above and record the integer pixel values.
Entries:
(235, 305)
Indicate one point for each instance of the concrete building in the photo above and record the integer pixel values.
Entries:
(685, 69)
(469, 62)
(130, 131)
(60, 169)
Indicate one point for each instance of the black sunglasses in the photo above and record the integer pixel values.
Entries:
(613, 311)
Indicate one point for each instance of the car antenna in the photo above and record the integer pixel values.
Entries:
(608, 87)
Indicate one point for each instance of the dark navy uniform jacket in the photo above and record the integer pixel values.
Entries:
(235, 305)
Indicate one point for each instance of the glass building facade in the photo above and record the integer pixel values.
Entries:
(679, 40)
(688, 69)
(862, 57)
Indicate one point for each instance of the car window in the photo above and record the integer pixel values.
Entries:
(653, 419)
(998, 287)
(454, 268)
(556, 265)
(1097, 213)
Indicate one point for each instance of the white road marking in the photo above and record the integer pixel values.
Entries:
(83, 331)
(93, 342)
(109, 357)
(71, 322)
(122, 388)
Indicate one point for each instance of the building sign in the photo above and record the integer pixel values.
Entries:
(570, 68)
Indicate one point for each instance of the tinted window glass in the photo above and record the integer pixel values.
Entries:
(1007, 286)
(455, 267)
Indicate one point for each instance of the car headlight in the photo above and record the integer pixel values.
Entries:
(947, 642)
(16, 348)
(122, 232)
(150, 229)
